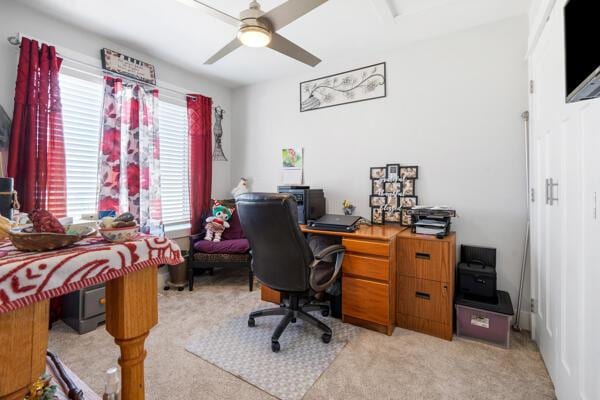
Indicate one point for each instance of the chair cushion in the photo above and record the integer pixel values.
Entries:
(235, 246)
(323, 272)
(235, 228)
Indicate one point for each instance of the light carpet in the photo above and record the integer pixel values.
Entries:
(406, 365)
(246, 352)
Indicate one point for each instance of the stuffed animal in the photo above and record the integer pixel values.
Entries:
(241, 188)
(217, 223)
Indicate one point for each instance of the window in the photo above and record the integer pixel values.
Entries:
(82, 110)
(82, 114)
(173, 129)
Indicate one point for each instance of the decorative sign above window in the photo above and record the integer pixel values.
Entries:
(360, 84)
(130, 67)
(393, 193)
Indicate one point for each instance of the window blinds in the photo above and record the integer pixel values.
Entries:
(82, 110)
(174, 163)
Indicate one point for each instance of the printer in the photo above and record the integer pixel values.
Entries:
(431, 220)
(311, 202)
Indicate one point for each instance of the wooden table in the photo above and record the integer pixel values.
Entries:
(131, 305)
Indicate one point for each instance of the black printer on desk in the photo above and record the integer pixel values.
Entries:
(311, 202)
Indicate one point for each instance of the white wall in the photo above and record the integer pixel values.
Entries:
(85, 45)
(453, 108)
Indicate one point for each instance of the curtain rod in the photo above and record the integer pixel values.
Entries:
(15, 40)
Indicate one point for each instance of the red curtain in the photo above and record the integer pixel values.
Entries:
(199, 110)
(36, 158)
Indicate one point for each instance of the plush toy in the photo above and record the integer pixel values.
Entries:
(217, 223)
(241, 188)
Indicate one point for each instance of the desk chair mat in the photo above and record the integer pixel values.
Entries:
(246, 352)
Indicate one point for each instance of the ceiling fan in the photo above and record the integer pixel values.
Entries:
(259, 29)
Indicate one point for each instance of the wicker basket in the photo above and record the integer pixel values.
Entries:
(34, 241)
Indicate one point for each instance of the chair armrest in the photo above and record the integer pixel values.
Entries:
(339, 251)
(196, 236)
(193, 239)
(329, 250)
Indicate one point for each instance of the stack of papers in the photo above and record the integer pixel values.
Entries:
(430, 227)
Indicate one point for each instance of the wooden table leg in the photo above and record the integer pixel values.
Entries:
(23, 344)
(131, 311)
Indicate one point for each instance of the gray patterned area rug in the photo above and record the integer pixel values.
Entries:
(246, 352)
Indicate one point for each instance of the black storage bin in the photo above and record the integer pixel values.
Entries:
(489, 321)
(476, 272)
(477, 280)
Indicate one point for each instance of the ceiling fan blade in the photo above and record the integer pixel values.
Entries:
(213, 12)
(284, 46)
(290, 11)
(231, 46)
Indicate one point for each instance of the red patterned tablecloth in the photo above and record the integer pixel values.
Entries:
(27, 277)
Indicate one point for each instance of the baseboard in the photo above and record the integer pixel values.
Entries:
(525, 324)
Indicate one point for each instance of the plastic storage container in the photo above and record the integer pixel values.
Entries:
(489, 322)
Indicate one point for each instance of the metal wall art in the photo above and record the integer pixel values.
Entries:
(360, 84)
(393, 193)
(4, 129)
(218, 154)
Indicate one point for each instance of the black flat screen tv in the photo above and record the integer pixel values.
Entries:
(582, 54)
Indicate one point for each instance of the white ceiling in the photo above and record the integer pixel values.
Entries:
(169, 30)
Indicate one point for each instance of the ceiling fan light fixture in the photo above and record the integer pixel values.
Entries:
(254, 36)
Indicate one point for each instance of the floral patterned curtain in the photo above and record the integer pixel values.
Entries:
(129, 178)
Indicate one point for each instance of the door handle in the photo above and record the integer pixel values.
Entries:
(422, 295)
(552, 186)
(423, 256)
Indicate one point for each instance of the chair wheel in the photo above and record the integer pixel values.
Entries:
(293, 321)
(275, 347)
(180, 289)
(325, 313)
(167, 288)
(251, 322)
(326, 337)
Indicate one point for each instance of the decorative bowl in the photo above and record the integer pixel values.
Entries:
(25, 239)
(119, 235)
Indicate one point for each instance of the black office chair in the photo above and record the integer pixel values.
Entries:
(283, 260)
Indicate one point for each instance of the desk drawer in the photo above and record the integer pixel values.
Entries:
(429, 300)
(367, 247)
(366, 300)
(424, 259)
(93, 302)
(368, 267)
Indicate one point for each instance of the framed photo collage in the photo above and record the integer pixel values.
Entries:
(393, 193)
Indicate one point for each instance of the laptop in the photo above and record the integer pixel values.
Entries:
(336, 223)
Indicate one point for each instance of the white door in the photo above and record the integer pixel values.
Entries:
(565, 254)
(546, 210)
(590, 289)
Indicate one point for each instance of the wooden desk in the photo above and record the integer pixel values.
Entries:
(368, 276)
(130, 273)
